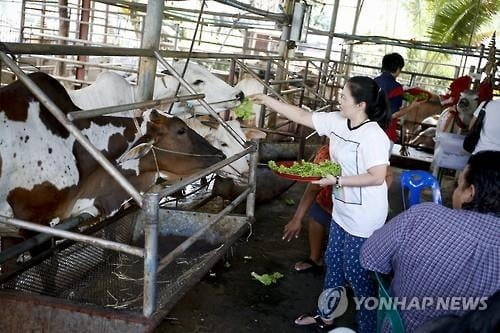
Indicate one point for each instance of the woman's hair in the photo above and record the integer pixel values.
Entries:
(484, 173)
(365, 89)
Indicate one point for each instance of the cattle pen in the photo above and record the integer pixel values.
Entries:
(115, 275)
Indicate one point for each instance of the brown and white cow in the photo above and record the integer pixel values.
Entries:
(45, 174)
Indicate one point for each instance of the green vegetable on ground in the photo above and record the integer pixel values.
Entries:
(267, 279)
(245, 110)
(308, 169)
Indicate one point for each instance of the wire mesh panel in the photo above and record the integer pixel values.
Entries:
(87, 274)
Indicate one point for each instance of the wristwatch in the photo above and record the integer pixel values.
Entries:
(337, 182)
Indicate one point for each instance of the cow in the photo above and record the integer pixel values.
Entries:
(221, 139)
(111, 89)
(250, 86)
(455, 119)
(46, 175)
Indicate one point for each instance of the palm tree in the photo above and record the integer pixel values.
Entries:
(457, 22)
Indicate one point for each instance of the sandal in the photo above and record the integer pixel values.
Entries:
(318, 322)
(313, 267)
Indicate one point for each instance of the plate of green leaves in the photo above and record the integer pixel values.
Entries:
(303, 171)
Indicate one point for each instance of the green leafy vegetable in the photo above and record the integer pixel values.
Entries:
(308, 169)
(267, 279)
(419, 97)
(245, 110)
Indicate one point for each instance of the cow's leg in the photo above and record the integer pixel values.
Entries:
(10, 264)
(49, 278)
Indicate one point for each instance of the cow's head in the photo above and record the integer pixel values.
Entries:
(220, 95)
(466, 105)
(172, 148)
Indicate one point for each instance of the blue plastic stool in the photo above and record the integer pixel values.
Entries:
(415, 181)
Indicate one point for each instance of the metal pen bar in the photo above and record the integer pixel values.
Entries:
(252, 182)
(266, 130)
(255, 76)
(324, 100)
(102, 243)
(188, 242)
(278, 17)
(125, 107)
(232, 15)
(291, 91)
(207, 107)
(54, 49)
(276, 82)
(151, 215)
(322, 108)
(186, 181)
(85, 63)
(311, 135)
(61, 117)
(28, 244)
(262, 111)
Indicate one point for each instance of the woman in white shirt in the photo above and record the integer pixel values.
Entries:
(360, 193)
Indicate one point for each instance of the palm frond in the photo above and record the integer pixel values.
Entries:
(457, 20)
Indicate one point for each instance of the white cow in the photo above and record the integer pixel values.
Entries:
(111, 89)
(221, 139)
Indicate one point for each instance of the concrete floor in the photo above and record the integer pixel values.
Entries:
(229, 300)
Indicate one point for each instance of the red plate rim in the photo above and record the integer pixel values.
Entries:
(293, 177)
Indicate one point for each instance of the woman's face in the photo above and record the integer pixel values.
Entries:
(348, 106)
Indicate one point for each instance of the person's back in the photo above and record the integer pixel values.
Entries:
(445, 253)
(449, 256)
(392, 64)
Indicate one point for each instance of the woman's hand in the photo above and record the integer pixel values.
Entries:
(292, 229)
(329, 180)
(258, 98)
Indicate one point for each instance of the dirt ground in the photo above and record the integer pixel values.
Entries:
(229, 300)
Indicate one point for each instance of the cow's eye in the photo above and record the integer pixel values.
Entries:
(198, 82)
(181, 131)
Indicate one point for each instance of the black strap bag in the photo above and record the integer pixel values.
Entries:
(472, 137)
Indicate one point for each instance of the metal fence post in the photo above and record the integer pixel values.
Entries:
(252, 181)
(151, 206)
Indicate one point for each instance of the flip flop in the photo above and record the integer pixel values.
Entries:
(319, 323)
(313, 267)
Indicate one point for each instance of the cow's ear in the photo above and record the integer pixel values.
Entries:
(155, 117)
(136, 152)
(252, 134)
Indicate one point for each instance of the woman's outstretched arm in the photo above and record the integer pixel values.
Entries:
(293, 113)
